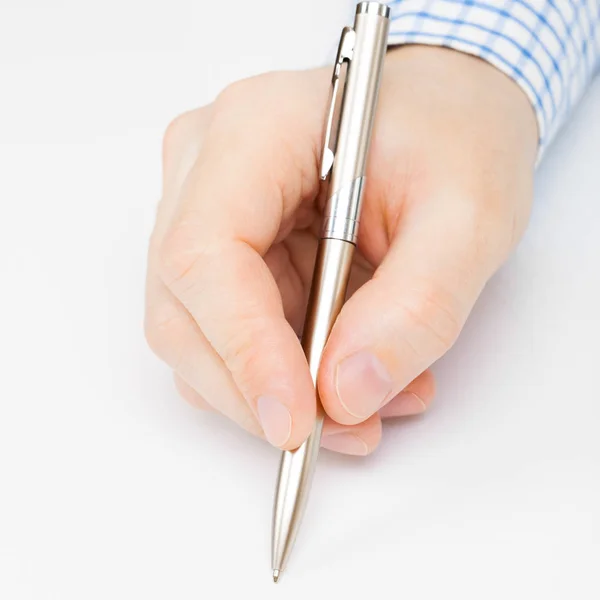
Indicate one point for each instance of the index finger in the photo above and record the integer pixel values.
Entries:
(242, 194)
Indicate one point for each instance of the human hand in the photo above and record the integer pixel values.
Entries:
(449, 187)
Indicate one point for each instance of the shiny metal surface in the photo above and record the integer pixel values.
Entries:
(360, 100)
(344, 160)
(330, 280)
(375, 8)
(344, 54)
(346, 201)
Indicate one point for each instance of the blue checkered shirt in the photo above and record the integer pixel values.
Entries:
(551, 48)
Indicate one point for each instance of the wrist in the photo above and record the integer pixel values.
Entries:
(469, 88)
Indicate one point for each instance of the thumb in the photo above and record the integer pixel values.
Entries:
(413, 309)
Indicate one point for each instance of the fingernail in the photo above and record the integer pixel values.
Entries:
(346, 443)
(362, 384)
(275, 420)
(403, 405)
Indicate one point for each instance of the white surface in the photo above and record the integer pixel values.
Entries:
(111, 487)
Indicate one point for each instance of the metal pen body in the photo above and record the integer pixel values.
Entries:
(362, 49)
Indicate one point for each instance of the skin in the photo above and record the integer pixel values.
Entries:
(448, 196)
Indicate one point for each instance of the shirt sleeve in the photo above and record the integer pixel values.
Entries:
(551, 48)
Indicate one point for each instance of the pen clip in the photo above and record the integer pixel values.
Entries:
(344, 53)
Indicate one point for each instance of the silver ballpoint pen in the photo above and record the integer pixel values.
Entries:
(361, 51)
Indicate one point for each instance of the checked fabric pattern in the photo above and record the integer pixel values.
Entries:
(551, 48)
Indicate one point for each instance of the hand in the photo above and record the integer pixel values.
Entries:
(230, 262)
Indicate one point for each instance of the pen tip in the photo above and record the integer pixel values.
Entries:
(276, 574)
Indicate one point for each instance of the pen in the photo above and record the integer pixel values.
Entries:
(355, 88)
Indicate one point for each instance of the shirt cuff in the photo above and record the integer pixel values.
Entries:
(534, 43)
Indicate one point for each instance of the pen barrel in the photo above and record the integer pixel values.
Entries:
(364, 47)
(327, 295)
(357, 116)
(328, 292)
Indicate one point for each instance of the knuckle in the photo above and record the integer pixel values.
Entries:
(176, 134)
(165, 336)
(257, 102)
(433, 314)
(240, 92)
(235, 103)
(244, 354)
(233, 92)
(178, 253)
(239, 350)
(182, 135)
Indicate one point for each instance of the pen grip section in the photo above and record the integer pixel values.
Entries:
(327, 295)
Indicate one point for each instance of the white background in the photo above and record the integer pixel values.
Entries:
(111, 487)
